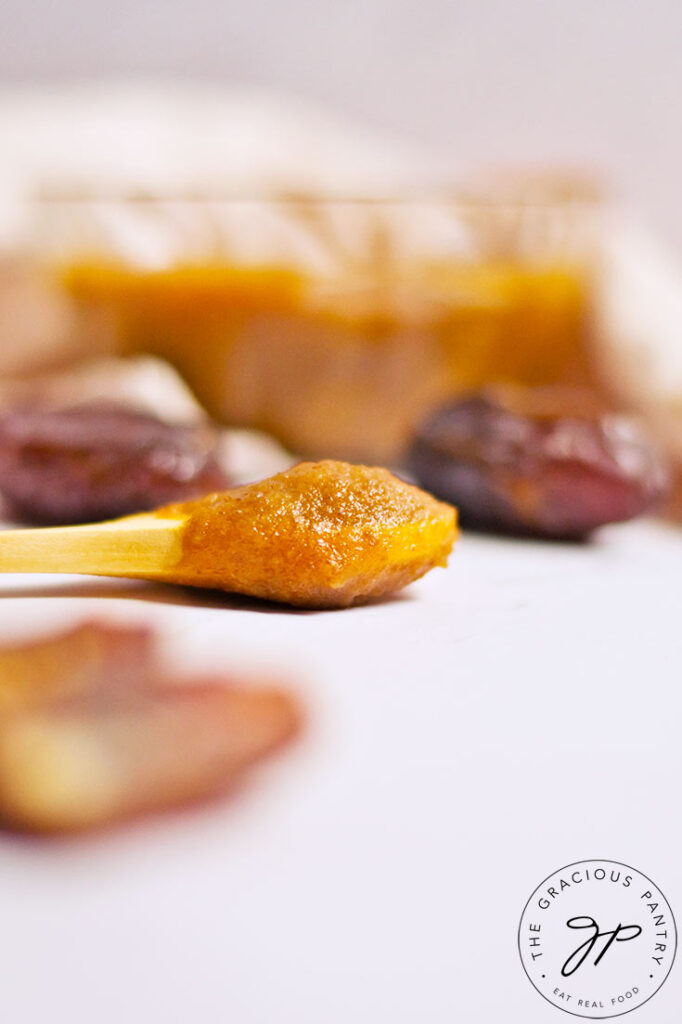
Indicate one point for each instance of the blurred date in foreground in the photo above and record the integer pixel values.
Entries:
(93, 730)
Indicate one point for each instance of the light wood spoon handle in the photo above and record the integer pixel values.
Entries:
(144, 545)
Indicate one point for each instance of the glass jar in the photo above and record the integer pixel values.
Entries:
(333, 323)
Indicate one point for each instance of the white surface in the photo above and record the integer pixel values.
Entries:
(499, 720)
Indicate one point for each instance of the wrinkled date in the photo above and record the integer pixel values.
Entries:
(98, 461)
(542, 462)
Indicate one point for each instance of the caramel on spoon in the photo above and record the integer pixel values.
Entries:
(323, 534)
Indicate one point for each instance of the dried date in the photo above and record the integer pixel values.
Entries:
(100, 460)
(542, 462)
(92, 730)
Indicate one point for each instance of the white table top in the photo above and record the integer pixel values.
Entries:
(498, 720)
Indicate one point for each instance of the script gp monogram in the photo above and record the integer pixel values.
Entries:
(621, 933)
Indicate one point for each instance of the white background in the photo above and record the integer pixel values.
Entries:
(582, 81)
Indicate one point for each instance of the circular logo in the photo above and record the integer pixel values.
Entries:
(597, 939)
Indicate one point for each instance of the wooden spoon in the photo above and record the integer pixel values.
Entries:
(324, 534)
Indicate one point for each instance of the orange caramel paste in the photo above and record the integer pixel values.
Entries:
(345, 366)
(324, 534)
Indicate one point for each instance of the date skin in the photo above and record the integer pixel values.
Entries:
(98, 461)
(548, 463)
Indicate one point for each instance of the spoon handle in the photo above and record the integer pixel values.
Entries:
(136, 545)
